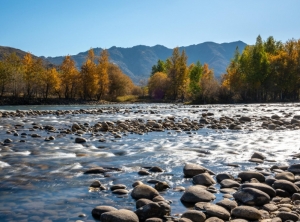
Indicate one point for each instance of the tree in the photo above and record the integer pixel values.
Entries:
(177, 72)
(119, 83)
(209, 85)
(158, 85)
(195, 75)
(103, 76)
(50, 82)
(159, 67)
(89, 77)
(69, 77)
(33, 69)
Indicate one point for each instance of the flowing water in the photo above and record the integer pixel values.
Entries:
(44, 180)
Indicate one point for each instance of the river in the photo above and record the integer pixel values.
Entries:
(45, 181)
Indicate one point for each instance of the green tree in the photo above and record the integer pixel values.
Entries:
(159, 67)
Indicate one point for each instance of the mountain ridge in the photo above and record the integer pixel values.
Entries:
(137, 61)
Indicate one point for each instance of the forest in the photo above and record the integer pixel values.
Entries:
(268, 71)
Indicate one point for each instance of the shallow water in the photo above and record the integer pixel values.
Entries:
(44, 180)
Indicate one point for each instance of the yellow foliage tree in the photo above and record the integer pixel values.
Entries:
(103, 76)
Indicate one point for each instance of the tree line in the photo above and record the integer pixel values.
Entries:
(266, 71)
(97, 78)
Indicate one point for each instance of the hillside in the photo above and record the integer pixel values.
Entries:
(8, 50)
(137, 61)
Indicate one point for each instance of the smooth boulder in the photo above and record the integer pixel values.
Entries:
(246, 212)
(122, 215)
(144, 191)
(248, 175)
(203, 179)
(252, 196)
(196, 194)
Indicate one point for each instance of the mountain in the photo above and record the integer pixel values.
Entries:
(4, 50)
(137, 61)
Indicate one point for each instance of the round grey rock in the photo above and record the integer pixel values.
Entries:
(213, 210)
(261, 186)
(196, 194)
(246, 212)
(97, 211)
(252, 196)
(194, 215)
(248, 175)
(203, 179)
(122, 215)
(144, 191)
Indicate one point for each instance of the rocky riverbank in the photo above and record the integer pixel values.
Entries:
(251, 196)
(268, 192)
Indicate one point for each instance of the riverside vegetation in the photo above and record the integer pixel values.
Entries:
(264, 72)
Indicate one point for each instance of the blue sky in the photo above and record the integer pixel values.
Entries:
(61, 27)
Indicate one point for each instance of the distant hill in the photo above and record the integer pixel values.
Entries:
(8, 50)
(137, 61)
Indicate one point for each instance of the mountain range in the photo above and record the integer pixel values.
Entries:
(137, 61)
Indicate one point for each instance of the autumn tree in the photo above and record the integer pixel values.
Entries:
(32, 72)
(89, 77)
(50, 82)
(177, 72)
(69, 77)
(103, 76)
(209, 85)
(119, 83)
(158, 85)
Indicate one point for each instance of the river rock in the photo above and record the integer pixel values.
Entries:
(258, 155)
(252, 196)
(159, 209)
(229, 183)
(227, 204)
(203, 179)
(285, 176)
(136, 183)
(141, 202)
(213, 210)
(97, 211)
(160, 186)
(80, 140)
(117, 186)
(247, 175)
(144, 191)
(122, 215)
(261, 186)
(214, 219)
(295, 168)
(95, 170)
(156, 169)
(245, 119)
(194, 215)
(296, 196)
(223, 176)
(196, 194)
(270, 207)
(120, 191)
(191, 169)
(284, 216)
(286, 185)
(246, 212)
(154, 219)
